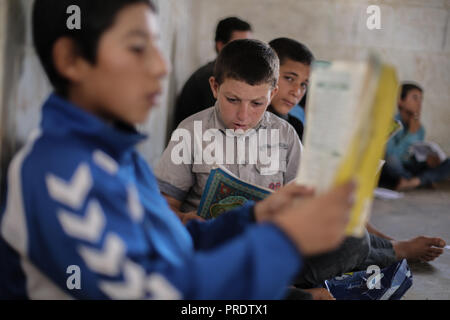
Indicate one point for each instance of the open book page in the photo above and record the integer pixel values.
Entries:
(330, 108)
(349, 116)
(334, 113)
(421, 150)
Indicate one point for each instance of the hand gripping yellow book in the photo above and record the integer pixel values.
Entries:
(348, 121)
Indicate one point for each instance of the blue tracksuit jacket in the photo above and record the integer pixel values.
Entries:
(84, 219)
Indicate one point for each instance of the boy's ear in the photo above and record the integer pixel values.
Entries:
(214, 86)
(66, 60)
(274, 92)
(219, 46)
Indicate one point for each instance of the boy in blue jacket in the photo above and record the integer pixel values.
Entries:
(81, 200)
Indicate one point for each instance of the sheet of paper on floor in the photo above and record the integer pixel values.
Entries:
(382, 193)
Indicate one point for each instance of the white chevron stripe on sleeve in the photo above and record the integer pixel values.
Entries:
(107, 261)
(133, 286)
(105, 162)
(161, 289)
(40, 286)
(89, 228)
(71, 193)
(134, 204)
(13, 226)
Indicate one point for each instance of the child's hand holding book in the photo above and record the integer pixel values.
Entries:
(316, 224)
(277, 202)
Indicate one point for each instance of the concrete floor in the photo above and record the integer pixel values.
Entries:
(420, 212)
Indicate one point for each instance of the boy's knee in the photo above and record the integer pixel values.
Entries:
(359, 247)
(365, 245)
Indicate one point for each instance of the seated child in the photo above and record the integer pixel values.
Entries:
(295, 64)
(244, 82)
(84, 217)
(401, 170)
(245, 79)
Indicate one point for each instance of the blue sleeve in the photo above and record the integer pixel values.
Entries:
(259, 264)
(211, 233)
(398, 145)
(125, 254)
(298, 112)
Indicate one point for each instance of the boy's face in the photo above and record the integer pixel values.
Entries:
(125, 82)
(411, 106)
(293, 81)
(241, 105)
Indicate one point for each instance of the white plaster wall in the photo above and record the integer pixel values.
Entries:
(3, 17)
(31, 87)
(28, 87)
(3, 22)
(13, 51)
(176, 18)
(415, 37)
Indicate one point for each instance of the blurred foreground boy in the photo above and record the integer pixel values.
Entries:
(81, 198)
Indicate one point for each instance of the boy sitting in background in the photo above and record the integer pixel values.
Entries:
(244, 82)
(295, 67)
(401, 170)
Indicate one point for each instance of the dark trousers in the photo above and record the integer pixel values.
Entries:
(354, 254)
(394, 169)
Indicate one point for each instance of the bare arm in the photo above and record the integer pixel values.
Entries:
(373, 230)
(175, 205)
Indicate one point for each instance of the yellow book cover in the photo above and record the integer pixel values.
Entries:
(349, 118)
(362, 161)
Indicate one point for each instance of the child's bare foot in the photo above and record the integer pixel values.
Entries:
(419, 248)
(408, 184)
(320, 294)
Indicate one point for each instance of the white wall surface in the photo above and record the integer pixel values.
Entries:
(415, 37)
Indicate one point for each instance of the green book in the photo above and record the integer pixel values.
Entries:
(224, 192)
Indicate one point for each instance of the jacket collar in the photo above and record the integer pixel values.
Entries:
(61, 117)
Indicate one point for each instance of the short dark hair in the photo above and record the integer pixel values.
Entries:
(50, 24)
(251, 61)
(407, 87)
(227, 26)
(291, 49)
